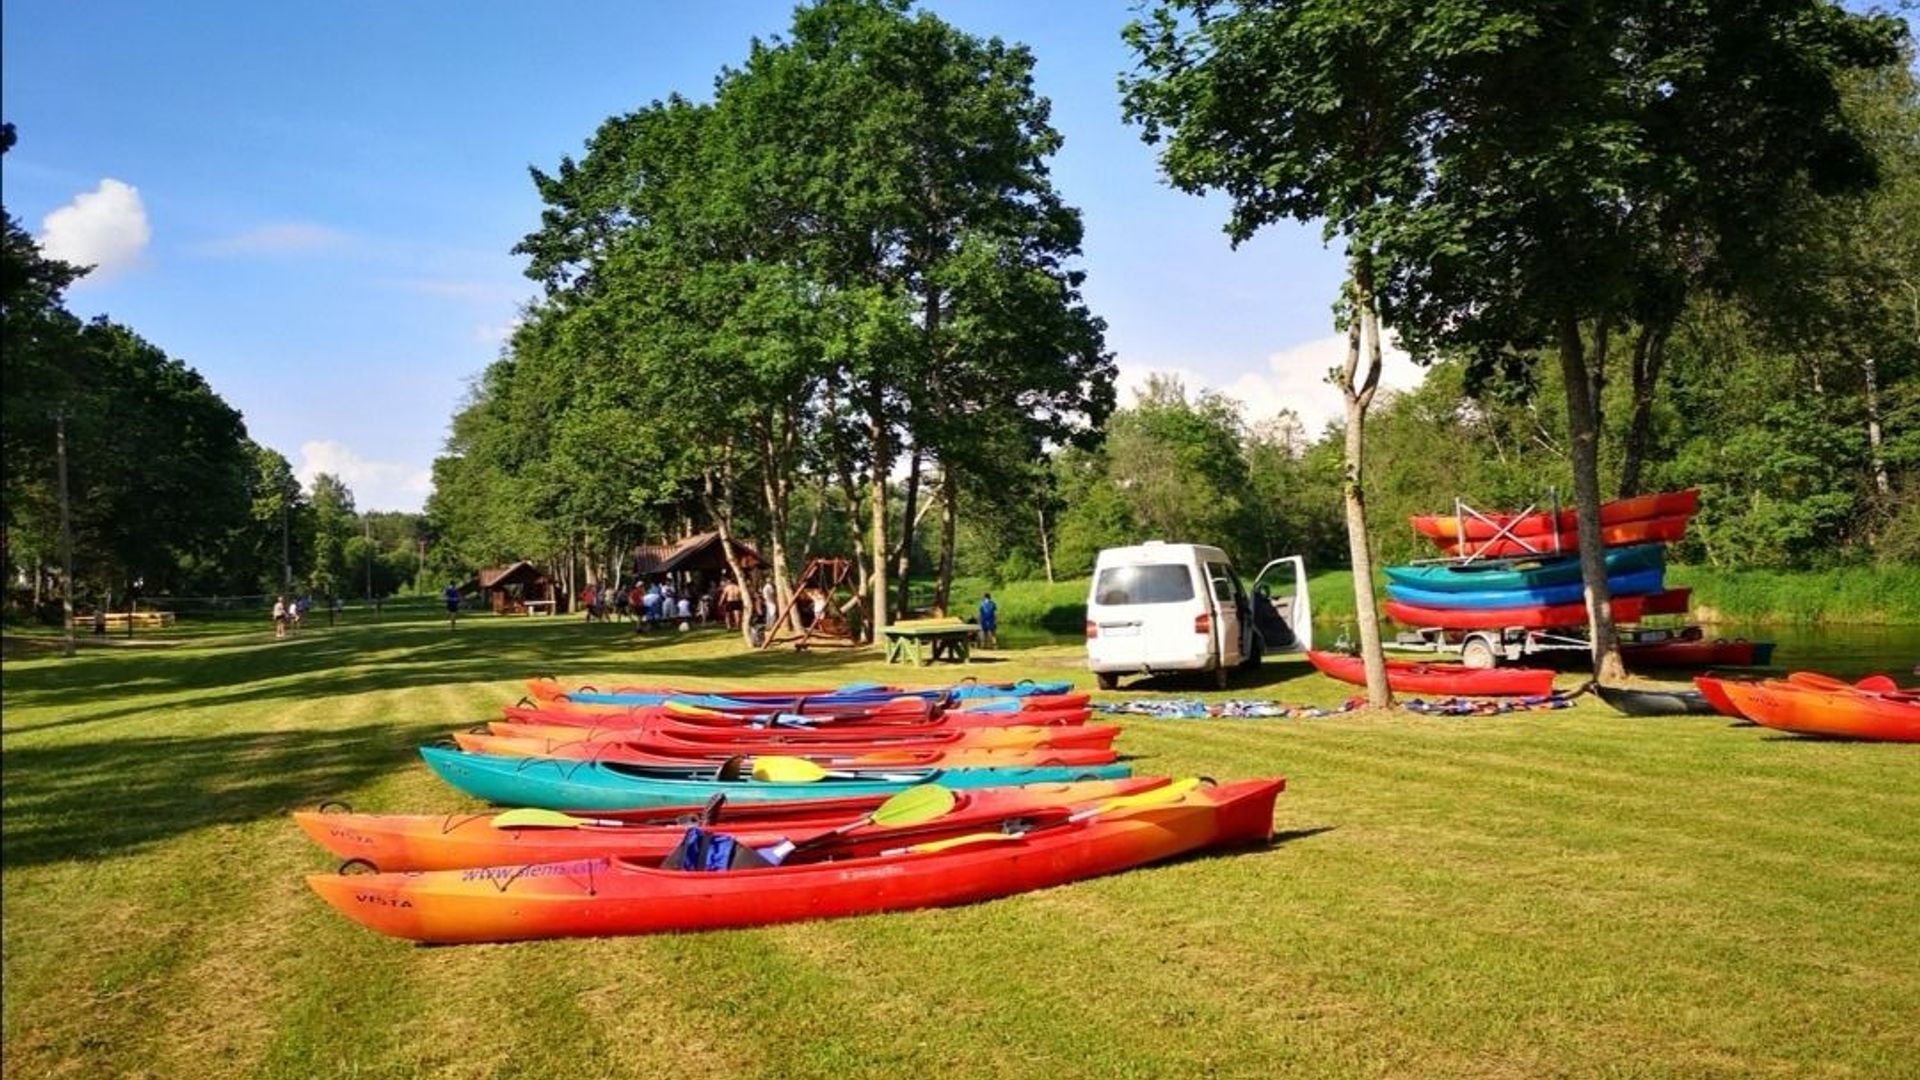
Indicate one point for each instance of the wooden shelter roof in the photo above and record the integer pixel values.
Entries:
(698, 552)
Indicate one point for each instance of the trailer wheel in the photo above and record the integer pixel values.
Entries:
(1477, 652)
(1107, 680)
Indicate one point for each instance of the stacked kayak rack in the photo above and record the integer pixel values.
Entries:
(648, 808)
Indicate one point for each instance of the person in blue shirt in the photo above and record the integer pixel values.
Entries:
(989, 622)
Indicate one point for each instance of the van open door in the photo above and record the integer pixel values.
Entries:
(1282, 611)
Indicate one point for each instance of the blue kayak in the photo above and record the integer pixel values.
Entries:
(601, 785)
(855, 695)
(1637, 583)
(1500, 575)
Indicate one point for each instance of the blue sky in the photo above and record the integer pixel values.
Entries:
(313, 205)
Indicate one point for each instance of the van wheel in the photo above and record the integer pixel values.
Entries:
(1106, 681)
(1220, 676)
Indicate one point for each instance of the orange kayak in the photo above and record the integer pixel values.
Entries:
(1645, 531)
(1847, 712)
(598, 895)
(1617, 512)
(402, 842)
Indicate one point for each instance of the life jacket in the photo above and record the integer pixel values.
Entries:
(703, 850)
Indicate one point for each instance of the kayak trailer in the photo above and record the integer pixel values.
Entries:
(1489, 648)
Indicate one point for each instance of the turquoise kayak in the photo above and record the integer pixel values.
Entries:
(603, 785)
(1509, 576)
(1635, 583)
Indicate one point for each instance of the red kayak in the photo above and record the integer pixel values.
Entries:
(790, 740)
(1617, 512)
(1625, 609)
(1695, 653)
(401, 842)
(1647, 531)
(645, 750)
(1714, 690)
(597, 896)
(1455, 680)
(646, 715)
(1848, 712)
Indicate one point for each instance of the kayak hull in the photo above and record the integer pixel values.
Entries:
(595, 785)
(1495, 575)
(403, 842)
(1849, 713)
(640, 750)
(1635, 583)
(1454, 680)
(1625, 609)
(599, 896)
(1649, 531)
(668, 736)
(1696, 653)
(1616, 512)
(1643, 702)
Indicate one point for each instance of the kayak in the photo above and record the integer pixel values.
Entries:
(601, 785)
(1456, 680)
(400, 842)
(1530, 573)
(1643, 702)
(1847, 713)
(1649, 530)
(1695, 652)
(649, 715)
(1625, 609)
(1616, 512)
(1713, 689)
(600, 896)
(893, 697)
(1634, 583)
(642, 751)
(746, 740)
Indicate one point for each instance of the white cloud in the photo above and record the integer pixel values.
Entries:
(376, 485)
(1295, 378)
(280, 238)
(496, 334)
(105, 228)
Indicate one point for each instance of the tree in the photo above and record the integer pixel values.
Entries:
(1303, 111)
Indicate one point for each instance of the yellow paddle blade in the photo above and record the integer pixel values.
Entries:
(1160, 796)
(530, 816)
(922, 802)
(787, 770)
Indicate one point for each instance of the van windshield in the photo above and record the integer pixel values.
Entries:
(1152, 583)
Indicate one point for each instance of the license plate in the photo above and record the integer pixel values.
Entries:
(1122, 630)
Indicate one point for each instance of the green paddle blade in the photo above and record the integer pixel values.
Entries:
(922, 802)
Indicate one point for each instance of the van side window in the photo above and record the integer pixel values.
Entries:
(1150, 583)
(1225, 587)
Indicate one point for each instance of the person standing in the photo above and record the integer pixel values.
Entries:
(279, 617)
(451, 594)
(989, 622)
(769, 600)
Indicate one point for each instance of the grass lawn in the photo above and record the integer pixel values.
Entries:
(1540, 894)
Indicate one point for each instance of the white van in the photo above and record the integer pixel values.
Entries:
(1158, 607)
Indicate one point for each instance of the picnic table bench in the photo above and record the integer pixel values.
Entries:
(922, 643)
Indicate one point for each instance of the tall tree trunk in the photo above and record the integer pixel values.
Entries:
(1365, 323)
(949, 523)
(1583, 431)
(1046, 550)
(1649, 356)
(852, 493)
(882, 460)
(774, 488)
(909, 520)
(1877, 457)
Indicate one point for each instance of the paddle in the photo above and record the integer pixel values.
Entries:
(793, 770)
(1160, 796)
(530, 817)
(922, 802)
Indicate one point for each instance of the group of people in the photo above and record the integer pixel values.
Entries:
(649, 603)
(287, 614)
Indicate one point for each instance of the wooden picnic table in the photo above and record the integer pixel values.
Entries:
(921, 644)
